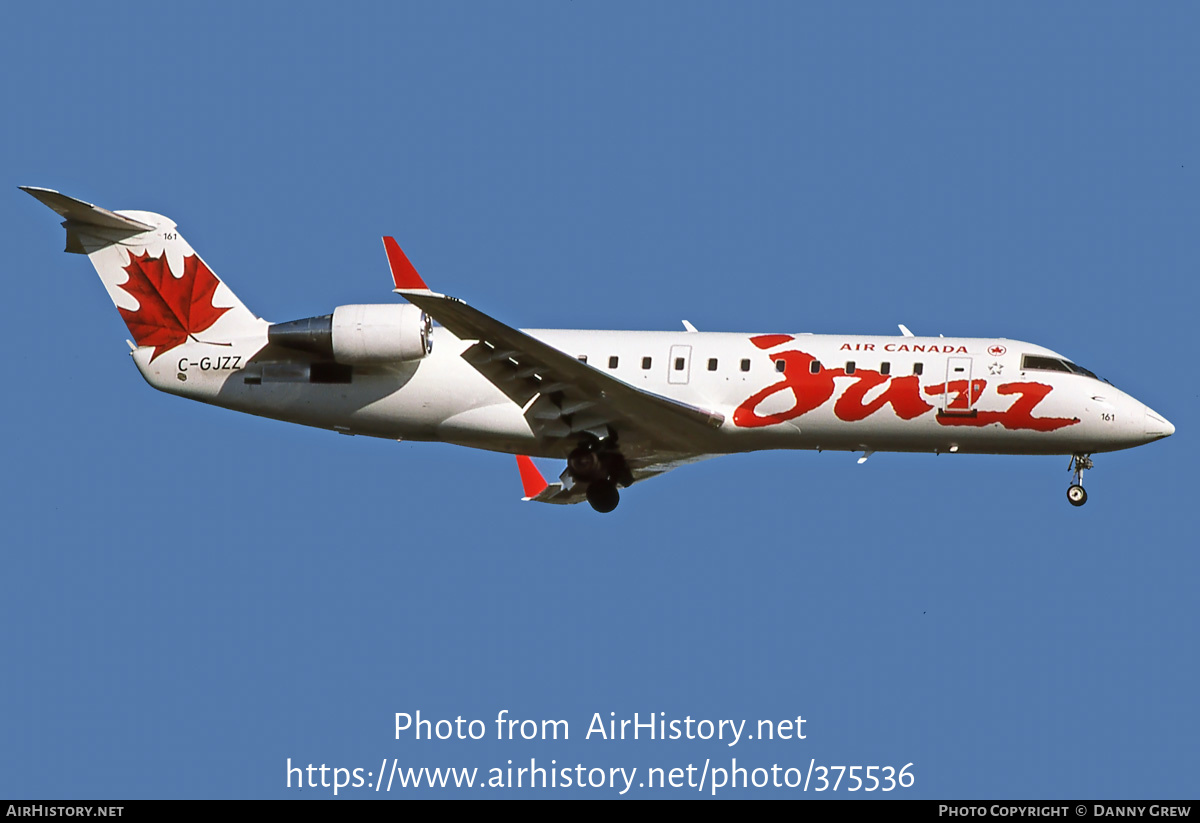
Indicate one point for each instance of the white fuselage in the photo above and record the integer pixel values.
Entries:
(641, 404)
(844, 392)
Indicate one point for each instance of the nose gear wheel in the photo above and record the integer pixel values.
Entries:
(1078, 465)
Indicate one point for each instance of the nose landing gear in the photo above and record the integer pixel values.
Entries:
(1078, 465)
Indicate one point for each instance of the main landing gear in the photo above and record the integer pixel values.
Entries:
(1079, 464)
(599, 464)
(603, 495)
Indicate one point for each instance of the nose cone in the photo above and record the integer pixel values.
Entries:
(1157, 426)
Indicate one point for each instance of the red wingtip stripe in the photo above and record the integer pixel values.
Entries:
(531, 478)
(403, 273)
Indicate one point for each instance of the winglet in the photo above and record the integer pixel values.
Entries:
(904, 331)
(403, 273)
(531, 478)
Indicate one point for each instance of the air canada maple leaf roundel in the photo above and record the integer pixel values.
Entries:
(170, 308)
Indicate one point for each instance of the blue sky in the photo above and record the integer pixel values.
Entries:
(192, 596)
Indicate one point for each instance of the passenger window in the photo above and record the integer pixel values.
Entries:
(780, 365)
(646, 362)
(885, 368)
(612, 362)
(583, 358)
(849, 367)
(918, 368)
(814, 367)
(746, 364)
(712, 364)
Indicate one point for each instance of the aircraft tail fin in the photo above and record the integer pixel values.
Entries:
(163, 290)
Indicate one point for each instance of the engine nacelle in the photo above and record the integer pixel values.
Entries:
(360, 335)
(380, 333)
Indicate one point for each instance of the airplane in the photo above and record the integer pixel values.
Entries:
(619, 406)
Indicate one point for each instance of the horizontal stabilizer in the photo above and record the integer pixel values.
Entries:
(165, 293)
(78, 211)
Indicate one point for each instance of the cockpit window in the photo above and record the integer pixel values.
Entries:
(1037, 362)
(1081, 370)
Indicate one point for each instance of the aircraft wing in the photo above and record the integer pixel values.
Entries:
(564, 492)
(562, 397)
(525, 368)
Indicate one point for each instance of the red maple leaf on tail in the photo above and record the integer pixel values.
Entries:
(169, 308)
